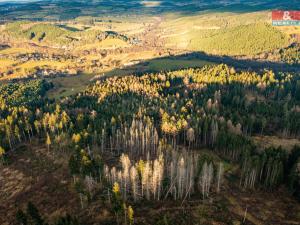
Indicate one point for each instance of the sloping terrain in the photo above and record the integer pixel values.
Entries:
(39, 176)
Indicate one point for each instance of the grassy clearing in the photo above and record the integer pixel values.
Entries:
(175, 64)
(5, 63)
(30, 67)
(289, 29)
(66, 86)
(13, 50)
(113, 43)
(109, 43)
(43, 63)
(158, 65)
(269, 141)
(120, 26)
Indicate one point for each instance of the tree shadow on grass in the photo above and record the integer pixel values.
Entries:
(199, 59)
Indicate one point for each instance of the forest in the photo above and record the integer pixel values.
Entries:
(169, 136)
(57, 35)
(168, 112)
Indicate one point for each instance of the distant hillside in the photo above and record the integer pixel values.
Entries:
(225, 33)
(69, 9)
(57, 34)
(242, 40)
(38, 32)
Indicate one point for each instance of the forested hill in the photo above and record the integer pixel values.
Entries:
(169, 139)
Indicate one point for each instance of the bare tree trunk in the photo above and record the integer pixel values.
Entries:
(245, 215)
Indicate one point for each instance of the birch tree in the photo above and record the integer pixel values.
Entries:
(220, 176)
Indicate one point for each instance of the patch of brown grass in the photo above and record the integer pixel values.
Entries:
(275, 141)
(32, 176)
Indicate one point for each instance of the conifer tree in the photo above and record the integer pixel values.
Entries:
(130, 215)
(34, 215)
(2, 152)
(48, 141)
(117, 201)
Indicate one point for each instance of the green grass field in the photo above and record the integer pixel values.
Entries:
(5, 63)
(66, 86)
(158, 65)
(12, 51)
